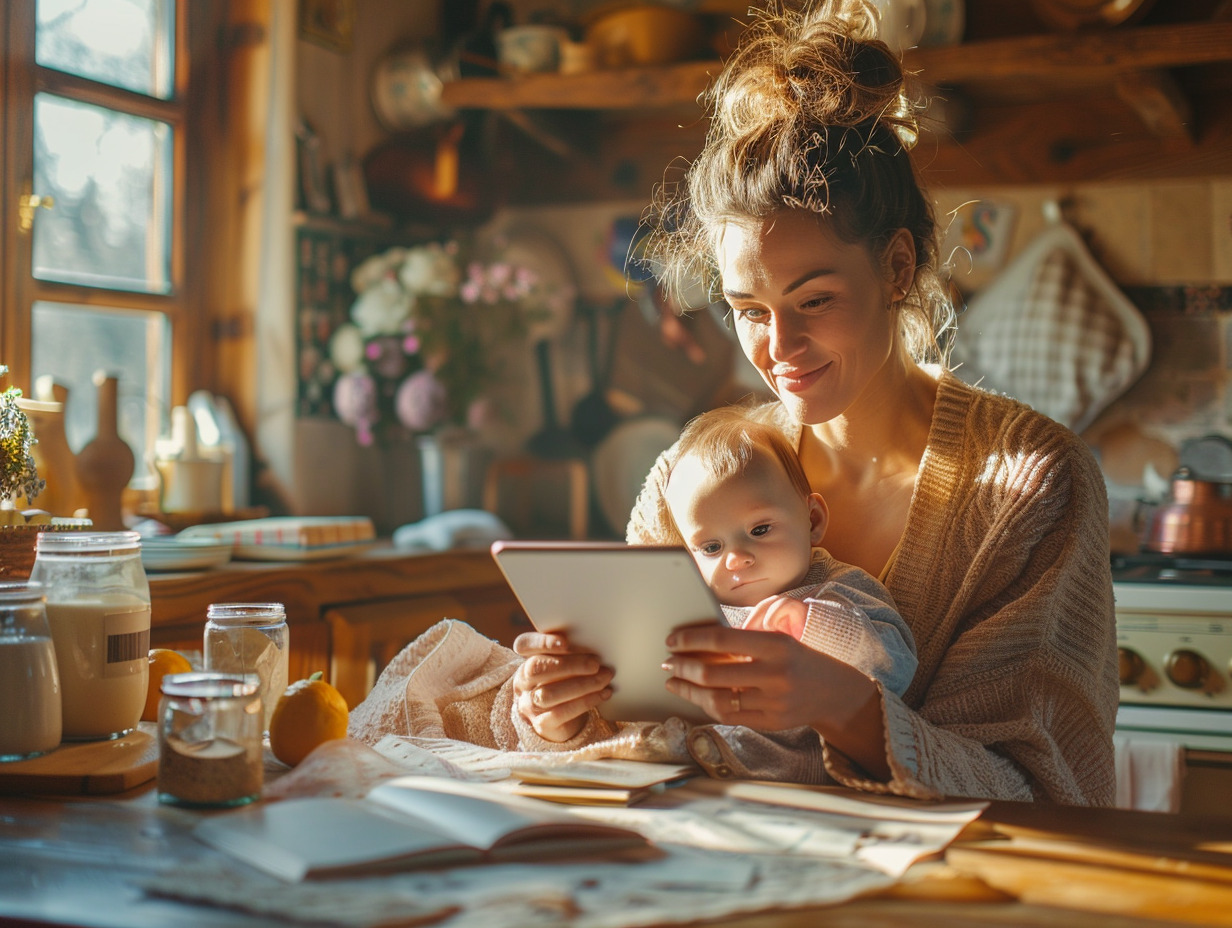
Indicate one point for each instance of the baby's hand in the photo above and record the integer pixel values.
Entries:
(779, 614)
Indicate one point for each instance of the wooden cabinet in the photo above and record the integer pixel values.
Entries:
(347, 616)
(1133, 102)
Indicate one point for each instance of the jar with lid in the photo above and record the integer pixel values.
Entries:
(98, 608)
(250, 638)
(209, 740)
(29, 680)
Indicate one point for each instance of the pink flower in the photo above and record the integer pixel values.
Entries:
(421, 402)
(355, 403)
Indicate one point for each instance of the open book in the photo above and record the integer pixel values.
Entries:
(410, 821)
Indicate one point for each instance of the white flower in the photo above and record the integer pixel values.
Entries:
(382, 308)
(346, 348)
(376, 268)
(430, 270)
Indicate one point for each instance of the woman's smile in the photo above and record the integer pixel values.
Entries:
(795, 380)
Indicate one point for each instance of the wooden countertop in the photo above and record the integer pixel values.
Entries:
(306, 588)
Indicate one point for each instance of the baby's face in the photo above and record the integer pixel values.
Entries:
(751, 535)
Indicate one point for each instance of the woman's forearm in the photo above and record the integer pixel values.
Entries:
(854, 722)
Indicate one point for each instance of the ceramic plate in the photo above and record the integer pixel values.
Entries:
(183, 553)
(622, 460)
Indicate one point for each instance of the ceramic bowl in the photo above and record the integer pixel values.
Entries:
(530, 49)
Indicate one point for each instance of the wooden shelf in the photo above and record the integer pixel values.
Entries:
(1048, 59)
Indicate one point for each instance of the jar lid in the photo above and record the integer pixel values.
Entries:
(21, 591)
(208, 684)
(245, 613)
(95, 543)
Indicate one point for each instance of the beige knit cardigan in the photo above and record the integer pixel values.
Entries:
(1003, 576)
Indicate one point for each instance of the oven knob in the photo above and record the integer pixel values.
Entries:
(1130, 666)
(1187, 669)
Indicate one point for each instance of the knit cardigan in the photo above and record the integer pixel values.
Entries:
(1004, 577)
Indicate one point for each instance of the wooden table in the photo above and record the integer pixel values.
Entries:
(1020, 865)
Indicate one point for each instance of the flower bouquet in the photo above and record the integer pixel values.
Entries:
(423, 344)
(18, 478)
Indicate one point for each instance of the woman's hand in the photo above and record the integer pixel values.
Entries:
(556, 687)
(772, 682)
(779, 614)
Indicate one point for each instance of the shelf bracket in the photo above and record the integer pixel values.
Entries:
(1160, 103)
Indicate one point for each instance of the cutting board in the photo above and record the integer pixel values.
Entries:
(85, 768)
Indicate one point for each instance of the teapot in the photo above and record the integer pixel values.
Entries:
(1196, 520)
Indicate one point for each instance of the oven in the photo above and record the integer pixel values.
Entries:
(1174, 643)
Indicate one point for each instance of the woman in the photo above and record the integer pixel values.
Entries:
(987, 522)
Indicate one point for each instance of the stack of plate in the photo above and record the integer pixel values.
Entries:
(177, 553)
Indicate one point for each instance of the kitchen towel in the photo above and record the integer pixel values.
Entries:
(1150, 773)
(1053, 331)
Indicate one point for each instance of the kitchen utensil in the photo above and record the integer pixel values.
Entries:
(1197, 520)
(551, 441)
(593, 415)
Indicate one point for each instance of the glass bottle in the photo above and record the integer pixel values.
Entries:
(98, 609)
(250, 638)
(29, 680)
(209, 740)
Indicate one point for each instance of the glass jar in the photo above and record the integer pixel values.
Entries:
(98, 608)
(29, 680)
(250, 638)
(209, 740)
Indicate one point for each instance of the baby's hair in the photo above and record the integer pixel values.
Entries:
(728, 439)
(809, 112)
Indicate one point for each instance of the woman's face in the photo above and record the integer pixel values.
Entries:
(812, 312)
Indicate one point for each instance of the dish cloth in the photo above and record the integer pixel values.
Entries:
(1054, 331)
(1150, 773)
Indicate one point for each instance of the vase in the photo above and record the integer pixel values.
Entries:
(453, 466)
(105, 465)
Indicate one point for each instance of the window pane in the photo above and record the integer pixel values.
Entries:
(110, 176)
(71, 343)
(125, 43)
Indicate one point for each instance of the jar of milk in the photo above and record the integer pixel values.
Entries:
(98, 608)
(29, 681)
(250, 638)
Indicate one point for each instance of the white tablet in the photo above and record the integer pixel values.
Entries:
(619, 601)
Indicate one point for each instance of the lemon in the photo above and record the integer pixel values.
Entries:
(309, 713)
(162, 662)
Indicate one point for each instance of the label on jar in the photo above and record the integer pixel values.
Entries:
(128, 639)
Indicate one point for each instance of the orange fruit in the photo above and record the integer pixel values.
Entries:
(307, 714)
(162, 662)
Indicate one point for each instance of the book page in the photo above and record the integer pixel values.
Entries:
(628, 774)
(483, 816)
(296, 838)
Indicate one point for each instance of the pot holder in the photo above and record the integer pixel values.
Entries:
(1054, 332)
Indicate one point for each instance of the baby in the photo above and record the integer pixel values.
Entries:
(742, 505)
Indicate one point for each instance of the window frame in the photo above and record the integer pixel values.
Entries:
(187, 114)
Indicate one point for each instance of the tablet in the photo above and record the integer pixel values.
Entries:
(619, 601)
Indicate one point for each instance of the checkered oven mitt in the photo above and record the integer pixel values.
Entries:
(1053, 331)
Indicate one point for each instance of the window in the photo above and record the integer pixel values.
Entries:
(97, 124)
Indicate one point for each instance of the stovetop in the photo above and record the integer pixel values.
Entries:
(1180, 569)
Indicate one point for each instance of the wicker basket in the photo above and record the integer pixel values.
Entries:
(17, 544)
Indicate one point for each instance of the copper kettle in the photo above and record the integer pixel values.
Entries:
(1197, 519)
